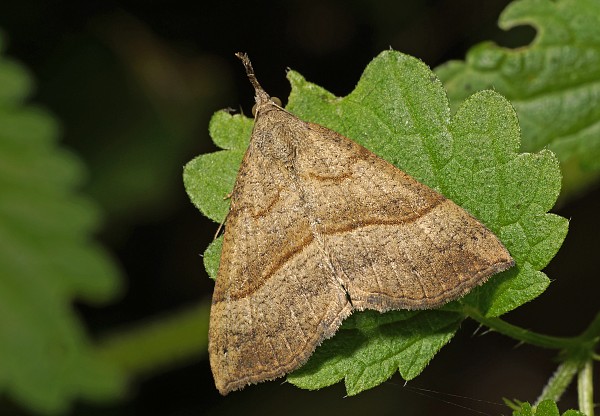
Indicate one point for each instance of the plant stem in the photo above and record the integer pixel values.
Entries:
(522, 334)
(162, 342)
(578, 354)
(585, 388)
(592, 332)
(560, 380)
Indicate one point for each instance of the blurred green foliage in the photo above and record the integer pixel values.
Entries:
(47, 260)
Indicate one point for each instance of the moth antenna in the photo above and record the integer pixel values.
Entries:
(261, 95)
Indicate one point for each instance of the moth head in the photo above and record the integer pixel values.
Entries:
(272, 100)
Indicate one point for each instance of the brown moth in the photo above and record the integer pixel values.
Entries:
(320, 227)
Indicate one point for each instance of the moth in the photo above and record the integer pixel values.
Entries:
(319, 227)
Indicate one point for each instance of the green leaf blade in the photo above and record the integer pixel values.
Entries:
(48, 260)
(209, 179)
(230, 131)
(212, 256)
(377, 352)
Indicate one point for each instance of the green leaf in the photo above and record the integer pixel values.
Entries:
(553, 83)
(47, 260)
(209, 178)
(545, 408)
(399, 111)
(370, 348)
(211, 257)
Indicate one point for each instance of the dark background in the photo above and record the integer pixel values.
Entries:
(134, 85)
